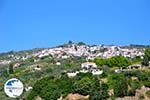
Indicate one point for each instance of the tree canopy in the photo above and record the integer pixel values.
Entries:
(116, 61)
(50, 88)
(146, 57)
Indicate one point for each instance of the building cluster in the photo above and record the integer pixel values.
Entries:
(14, 58)
(74, 50)
(90, 52)
(85, 68)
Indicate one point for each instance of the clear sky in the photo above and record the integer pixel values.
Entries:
(26, 24)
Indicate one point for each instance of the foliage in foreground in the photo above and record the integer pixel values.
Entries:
(50, 88)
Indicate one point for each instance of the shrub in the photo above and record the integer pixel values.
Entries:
(148, 94)
(146, 83)
(141, 97)
(121, 87)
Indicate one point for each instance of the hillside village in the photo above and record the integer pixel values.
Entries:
(75, 50)
(74, 62)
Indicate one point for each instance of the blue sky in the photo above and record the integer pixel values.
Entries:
(26, 24)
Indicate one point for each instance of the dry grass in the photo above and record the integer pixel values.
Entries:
(76, 97)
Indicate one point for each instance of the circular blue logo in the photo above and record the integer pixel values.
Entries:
(13, 88)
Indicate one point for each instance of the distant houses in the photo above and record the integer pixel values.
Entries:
(85, 68)
(91, 52)
(58, 63)
(72, 74)
(75, 50)
(37, 68)
(88, 65)
(135, 66)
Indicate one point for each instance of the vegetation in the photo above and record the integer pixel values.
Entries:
(84, 84)
(99, 90)
(51, 82)
(11, 70)
(81, 43)
(136, 60)
(116, 61)
(148, 94)
(146, 57)
(141, 97)
(121, 86)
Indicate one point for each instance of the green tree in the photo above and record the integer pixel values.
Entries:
(37, 74)
(121, 87)
(81, 43)
(147, 52)
(104, 91)
(70, 42)
(148, 93)
(11, 70)
(46, 88)
(99, 91)
(83, 86)
(146, 57)
(134, 84)
(95, 90)
(65, 85)
(5, 73)
(118, 61)
(50, 92)
(100, 61)
(146, 61)
(137, 59)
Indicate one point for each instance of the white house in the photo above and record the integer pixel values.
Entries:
(37, 68)
(97, 72)
(58, 63)
(64, 57)
(16, 65)
(118, 70)
(88, 65)
(72, 74)
(135, 66)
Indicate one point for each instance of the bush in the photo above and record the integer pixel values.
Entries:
(83, 86)
(148, 94)
(121, 87)
(113, 98)
(141, 97)
(50, 88)
(99, 91)
(146, 83)
(116, 61)
(135, 84)
(5, 73)
(45, 88)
